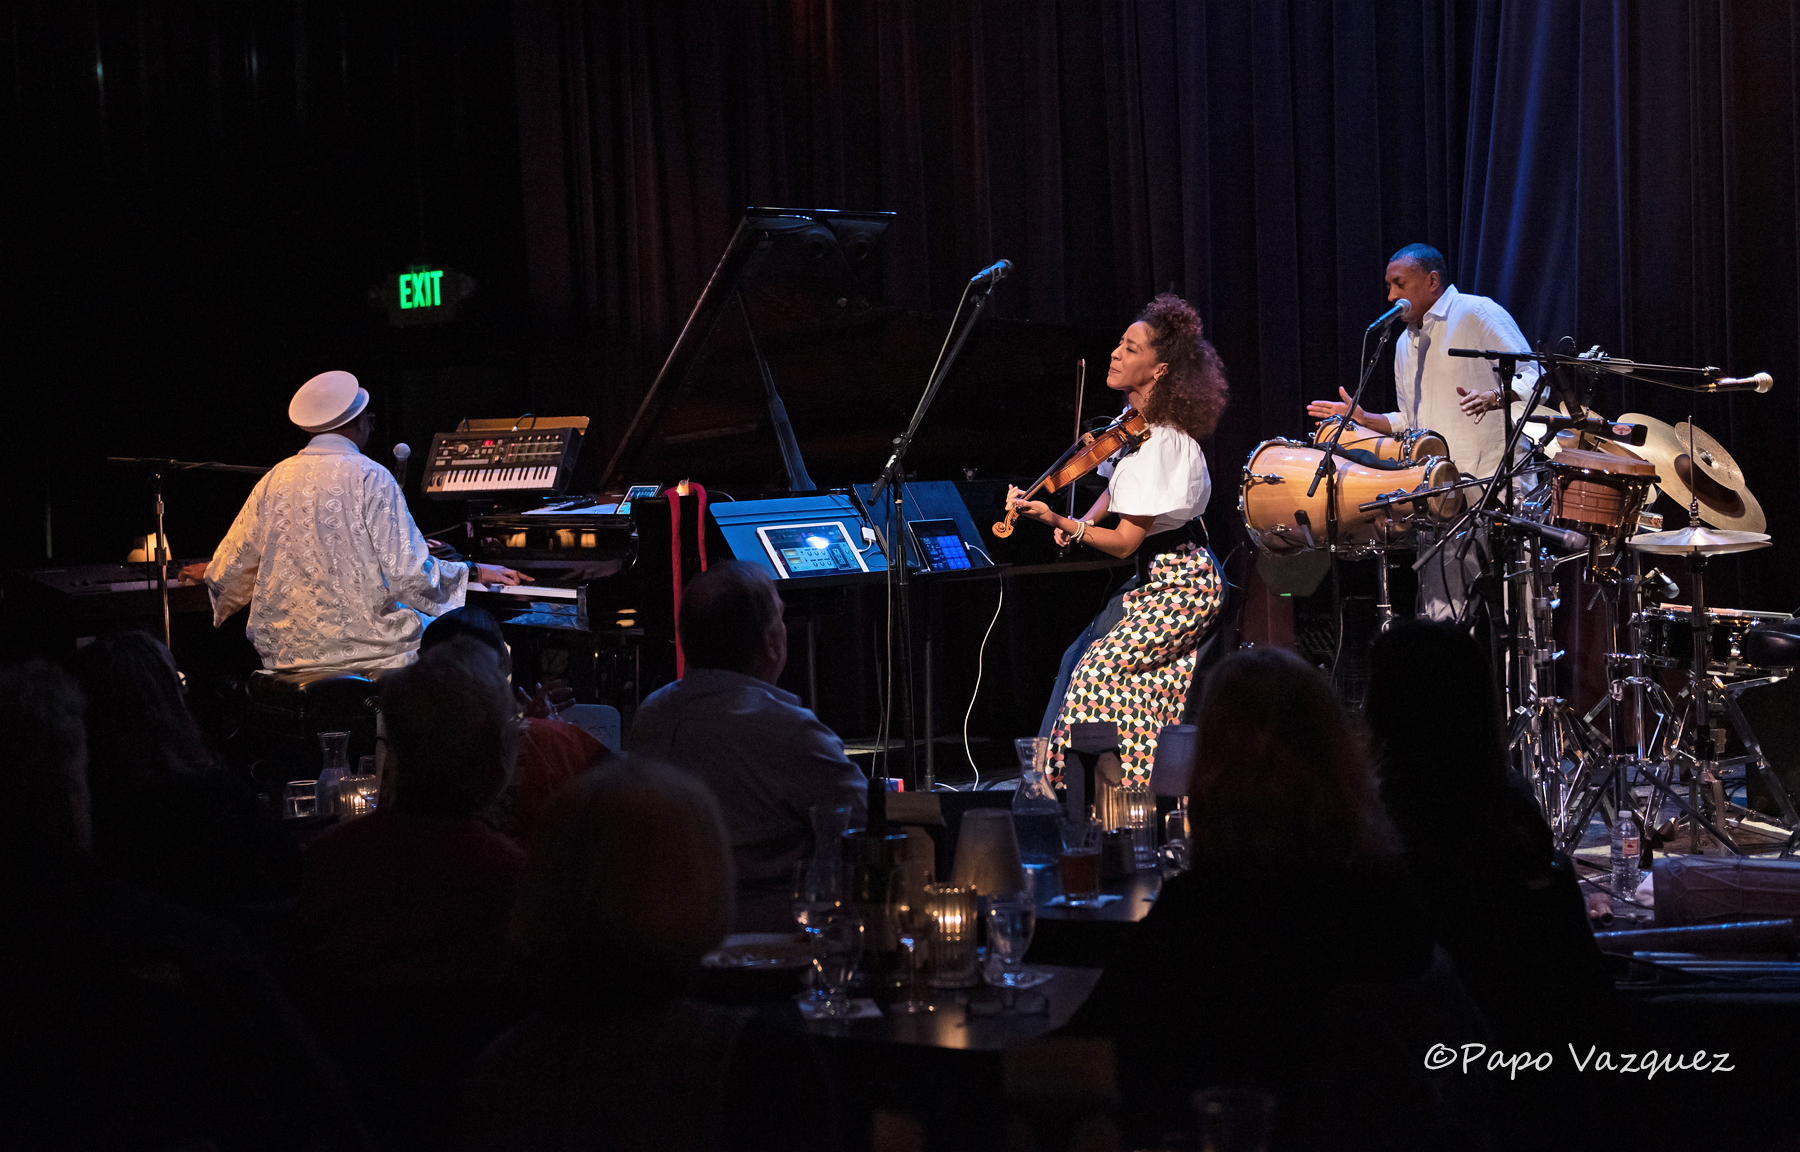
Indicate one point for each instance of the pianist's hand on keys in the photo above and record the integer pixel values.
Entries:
(495, 574)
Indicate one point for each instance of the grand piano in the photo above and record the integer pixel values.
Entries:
(779, 401)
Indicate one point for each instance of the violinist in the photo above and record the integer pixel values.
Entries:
(1135, 662)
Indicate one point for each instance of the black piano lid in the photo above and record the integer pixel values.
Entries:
(805, 276)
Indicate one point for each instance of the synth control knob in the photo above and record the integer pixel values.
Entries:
(462, 449)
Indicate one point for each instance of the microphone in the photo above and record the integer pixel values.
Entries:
(401, 454)
(992, 274)
(1566, 539)
(1660, 585)
(1399, 309)
(1761, 382)
(1633, 434)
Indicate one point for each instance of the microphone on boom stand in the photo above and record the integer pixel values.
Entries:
(1396, 312)
(1400, 308)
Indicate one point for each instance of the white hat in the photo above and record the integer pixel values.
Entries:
(329, 400)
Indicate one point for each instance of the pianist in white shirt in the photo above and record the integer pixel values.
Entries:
(327, 555)
(765, 756)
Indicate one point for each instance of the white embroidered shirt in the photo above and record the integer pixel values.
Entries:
(334, 570)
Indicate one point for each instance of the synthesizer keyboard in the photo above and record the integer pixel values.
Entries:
(476, 462)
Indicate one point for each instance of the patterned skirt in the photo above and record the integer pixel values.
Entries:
(1137, 675)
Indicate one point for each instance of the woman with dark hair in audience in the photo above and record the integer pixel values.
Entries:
(401, 930)
(1292, 957)
(629, 884)
(167, 816)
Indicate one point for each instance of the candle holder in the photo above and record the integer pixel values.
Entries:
(1140, 824)
(954, 920)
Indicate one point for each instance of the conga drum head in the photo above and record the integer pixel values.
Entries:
(1438, 474)
(1422, 444)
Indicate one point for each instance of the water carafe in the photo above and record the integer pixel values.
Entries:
(335, 749)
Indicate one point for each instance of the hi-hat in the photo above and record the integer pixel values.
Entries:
(1699, 538)
(1710, 474)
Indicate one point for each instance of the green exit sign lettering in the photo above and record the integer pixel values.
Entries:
(422, 295)
(421, 289)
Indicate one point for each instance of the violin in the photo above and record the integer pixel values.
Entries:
(1087, 454)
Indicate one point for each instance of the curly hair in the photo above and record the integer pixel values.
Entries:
(1192, 395)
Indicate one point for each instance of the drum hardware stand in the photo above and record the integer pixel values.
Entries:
(1546, 729)
(1384, 608)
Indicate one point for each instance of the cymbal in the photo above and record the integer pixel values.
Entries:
(1725, 499)
(1699, 538)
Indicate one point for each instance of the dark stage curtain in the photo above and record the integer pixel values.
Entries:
(1616, 173)
(1637, 191)
(1236, 153)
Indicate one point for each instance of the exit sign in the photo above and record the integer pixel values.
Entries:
(421, 289)
(422, 295)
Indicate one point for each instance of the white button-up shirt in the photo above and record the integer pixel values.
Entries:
(1426, 376)
(332, 566)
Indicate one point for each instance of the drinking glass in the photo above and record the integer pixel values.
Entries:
(817, 891)
(1081, 862)
(911, 922)
(299, 799)
(357, 795)
(1176, 855)
(1234, 1119)
(839, 949)
(1011, 922)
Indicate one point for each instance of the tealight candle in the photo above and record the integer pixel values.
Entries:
(953, 919)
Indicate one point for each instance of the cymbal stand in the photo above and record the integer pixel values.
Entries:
(1627, 687)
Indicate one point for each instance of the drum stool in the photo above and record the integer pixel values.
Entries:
(1773, 645)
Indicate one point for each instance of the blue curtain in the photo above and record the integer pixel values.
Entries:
(1630, 182)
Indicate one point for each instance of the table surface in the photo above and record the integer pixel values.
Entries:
(1136, 894)
(950, 1025)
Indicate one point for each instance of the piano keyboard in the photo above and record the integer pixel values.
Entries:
(478, 463)
(531, 591)
(459, 480)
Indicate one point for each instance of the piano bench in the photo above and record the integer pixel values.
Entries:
(300, 705)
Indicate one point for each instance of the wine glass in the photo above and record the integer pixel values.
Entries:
(1011, 921)
(911, 922)
(839, 949)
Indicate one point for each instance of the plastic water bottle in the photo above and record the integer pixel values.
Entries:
(1626, 844)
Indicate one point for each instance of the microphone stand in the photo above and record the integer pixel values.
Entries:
(158, 469)
(1330, 447)
(893, 481)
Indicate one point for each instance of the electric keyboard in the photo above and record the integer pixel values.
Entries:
(480, 460)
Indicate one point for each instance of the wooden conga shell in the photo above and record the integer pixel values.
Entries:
(1281, 518)
(1597, 489)
(1413, 447)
